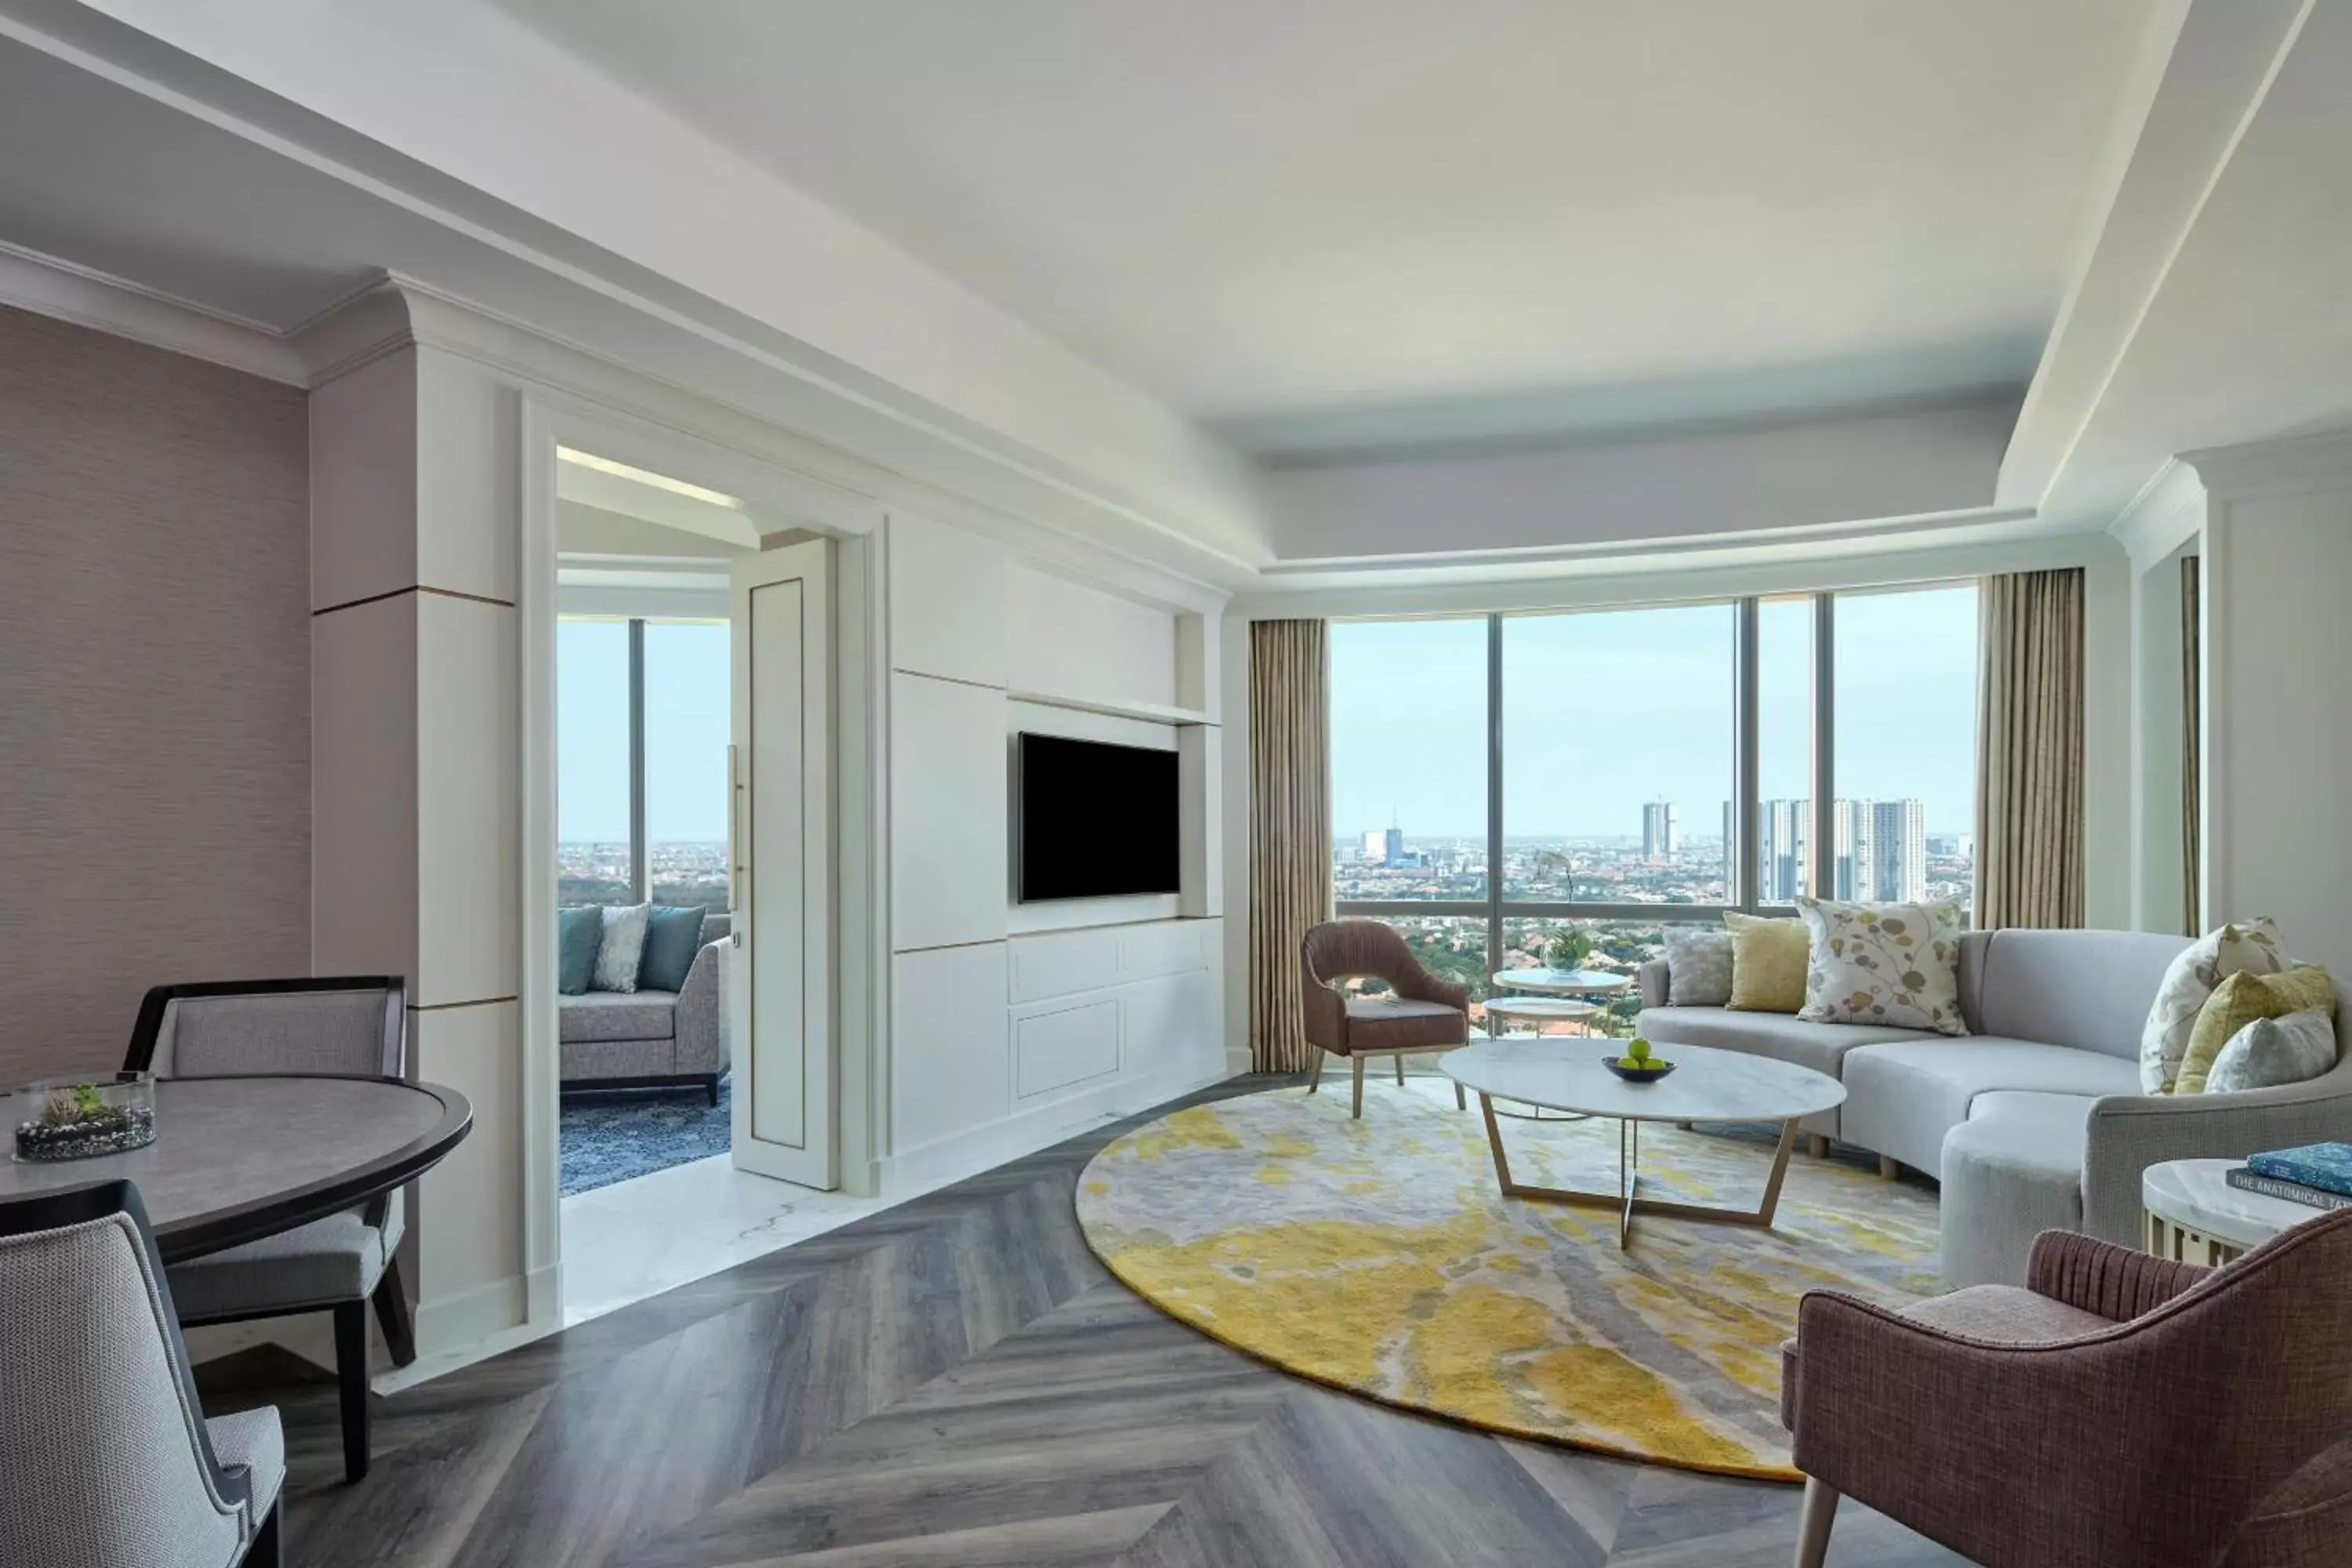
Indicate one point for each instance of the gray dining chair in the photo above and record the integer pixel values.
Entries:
(105, 1457)
(349, 1027)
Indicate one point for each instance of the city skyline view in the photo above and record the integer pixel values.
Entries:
(1606, 713)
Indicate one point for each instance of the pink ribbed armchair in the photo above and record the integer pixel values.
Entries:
(2120, 1411)
(1425, 1013)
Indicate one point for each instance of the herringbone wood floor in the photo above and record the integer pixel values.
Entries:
(956, 1383)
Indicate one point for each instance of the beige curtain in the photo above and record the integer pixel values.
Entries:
(2191, 728)
(2030, 752)
(1290, 829)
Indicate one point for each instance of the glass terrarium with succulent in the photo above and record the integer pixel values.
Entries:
(67, 1119)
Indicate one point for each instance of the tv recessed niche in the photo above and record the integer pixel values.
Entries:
(1092, 820)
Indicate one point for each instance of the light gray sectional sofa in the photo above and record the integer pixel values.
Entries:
(644, 1038)
(2034, 1120)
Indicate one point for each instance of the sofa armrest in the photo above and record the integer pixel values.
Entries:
(1656, 982)
(700, 1028)
(2116, 1282)
(2129, 1132)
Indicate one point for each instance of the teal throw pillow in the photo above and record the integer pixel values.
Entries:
(577, 932)
(673, 936)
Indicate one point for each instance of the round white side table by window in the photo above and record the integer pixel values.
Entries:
(2195, 1215)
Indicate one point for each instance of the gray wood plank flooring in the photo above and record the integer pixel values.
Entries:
(956, 1383)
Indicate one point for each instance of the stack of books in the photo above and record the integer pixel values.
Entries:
(2319, 1174)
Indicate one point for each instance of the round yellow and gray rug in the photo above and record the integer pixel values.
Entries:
(1378, 1257)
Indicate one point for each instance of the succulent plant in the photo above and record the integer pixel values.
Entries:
(1569, 950)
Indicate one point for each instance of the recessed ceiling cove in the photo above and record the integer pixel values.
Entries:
(1333, 220)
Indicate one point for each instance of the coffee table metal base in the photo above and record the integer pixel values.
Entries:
(1628, 1200)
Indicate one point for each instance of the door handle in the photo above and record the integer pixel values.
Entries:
(735, 867)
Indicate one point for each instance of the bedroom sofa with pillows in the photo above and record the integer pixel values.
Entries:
(668, 1031)
(2037, 1118)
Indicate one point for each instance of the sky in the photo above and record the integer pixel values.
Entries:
(1606, 710)
(686, 698)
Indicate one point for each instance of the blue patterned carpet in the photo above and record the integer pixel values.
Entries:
(612, 1135)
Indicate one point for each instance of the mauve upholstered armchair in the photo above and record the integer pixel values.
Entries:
(2118, 1411)
(1421, 1013)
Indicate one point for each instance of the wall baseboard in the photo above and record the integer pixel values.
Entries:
(447, 1326)
(978, 1149)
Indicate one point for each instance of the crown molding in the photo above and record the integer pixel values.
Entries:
(67, 291)
(2295, 465)
(840, 486)
(1622, 555)
(2169, 511)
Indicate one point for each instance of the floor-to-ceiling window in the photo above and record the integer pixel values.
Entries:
(1907, 745)
(595, 860)
(686, 726)
(641, 761)
(1409, 745)
(1501, 780)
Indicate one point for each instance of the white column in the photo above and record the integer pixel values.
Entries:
(2278, 550)
(416, 778)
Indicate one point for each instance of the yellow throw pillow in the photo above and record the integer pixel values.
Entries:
(1768, 963)
(2237, 1002)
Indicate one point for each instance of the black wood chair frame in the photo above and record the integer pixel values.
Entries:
(390, 1298)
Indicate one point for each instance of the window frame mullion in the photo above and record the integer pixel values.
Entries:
(640, 852)
(1494, 794)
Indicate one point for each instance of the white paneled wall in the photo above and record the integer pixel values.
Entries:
(1065, 639)
(997, 1045)
(948, 868)
(950, 1067)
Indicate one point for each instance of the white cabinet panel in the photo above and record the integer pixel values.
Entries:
(1056, 1048)
(1063, 963)
(1154, 950)
(947, 602)
(949, 829)
(1070, 640)
(951, 1063)
(1165, 1020)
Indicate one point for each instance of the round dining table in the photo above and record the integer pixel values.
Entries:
(235, 1158)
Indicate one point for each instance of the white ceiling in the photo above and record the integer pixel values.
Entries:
(1346, 222)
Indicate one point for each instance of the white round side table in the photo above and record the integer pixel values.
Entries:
(2195, 1215)
(1537, 1010)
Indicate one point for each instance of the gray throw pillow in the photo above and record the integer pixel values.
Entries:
(1698, 967)
(621, 947)
(2269, 1052)
(578, 934)
(673, 936)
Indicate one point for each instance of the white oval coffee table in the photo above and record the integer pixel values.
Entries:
(1705, 1086)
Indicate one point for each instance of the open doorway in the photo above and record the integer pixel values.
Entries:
(647, 1009)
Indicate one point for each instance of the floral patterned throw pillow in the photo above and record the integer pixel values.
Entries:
(1891, 964)
(2242, 947)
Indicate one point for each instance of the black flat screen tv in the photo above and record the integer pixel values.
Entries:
(1093, 820)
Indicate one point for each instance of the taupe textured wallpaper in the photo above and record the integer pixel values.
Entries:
(154, 685)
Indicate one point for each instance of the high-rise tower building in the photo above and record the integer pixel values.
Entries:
(1899, 851)
(1658, 830)
(1783, 828)
(1878, 849)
